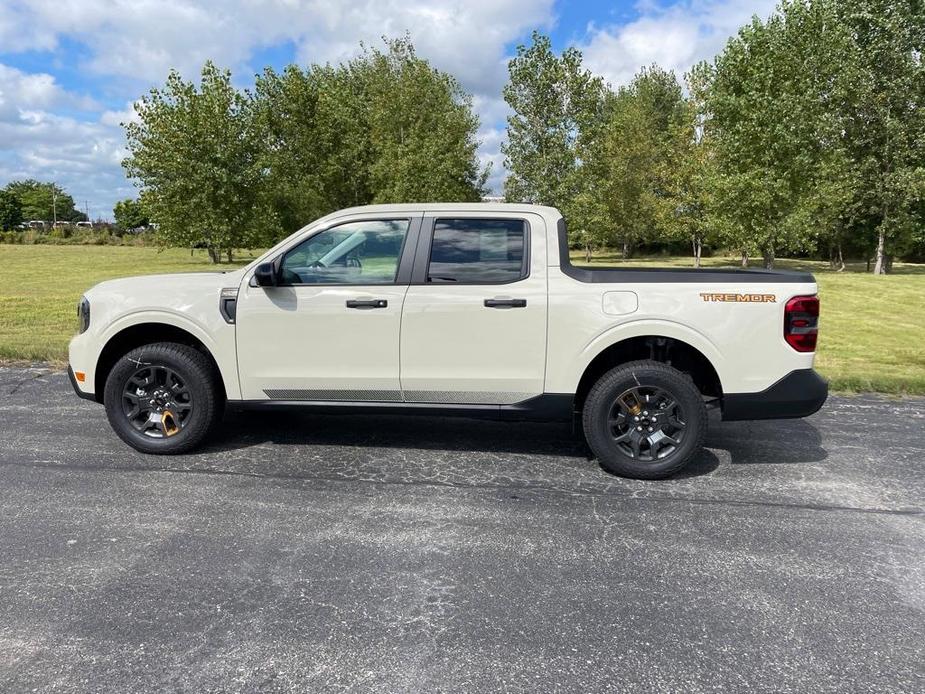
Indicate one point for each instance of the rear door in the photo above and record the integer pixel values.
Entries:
(474, 318)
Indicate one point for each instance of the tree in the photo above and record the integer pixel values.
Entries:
(883, 114)
(195, 153)
(817, 119)
(129, 214)
(10, 211)
(44, 201)
(686, 173)
(422, 129)
(557, 107)
(641, 143)
(385, 127)
(314, 142)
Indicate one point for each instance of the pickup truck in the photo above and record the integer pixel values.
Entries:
(452, 309)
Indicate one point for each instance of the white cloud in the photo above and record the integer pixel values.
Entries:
(145, 38)
(50, 133)
(35, 142)
(675, 37)
(136, 43)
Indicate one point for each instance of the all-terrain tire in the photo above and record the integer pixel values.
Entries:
(200, 381)
(605, 422)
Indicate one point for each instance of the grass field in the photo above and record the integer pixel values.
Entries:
(41, 285)
(872, 328)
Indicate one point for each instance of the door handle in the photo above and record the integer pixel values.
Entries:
(367, 303)
(505, 303)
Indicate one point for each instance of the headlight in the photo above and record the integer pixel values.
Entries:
(83, 314)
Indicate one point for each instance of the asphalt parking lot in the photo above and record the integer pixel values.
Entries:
(327, 553)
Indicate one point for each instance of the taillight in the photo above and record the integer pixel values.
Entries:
(801, 323)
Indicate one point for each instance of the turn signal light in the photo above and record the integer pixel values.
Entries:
(801, 323)
(80, 376)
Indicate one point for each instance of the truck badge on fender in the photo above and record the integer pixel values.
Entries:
(746, 298)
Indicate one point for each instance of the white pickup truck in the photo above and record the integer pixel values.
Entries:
(452, 309)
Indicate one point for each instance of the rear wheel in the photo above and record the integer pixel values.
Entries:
(645, 420)
(163, 398)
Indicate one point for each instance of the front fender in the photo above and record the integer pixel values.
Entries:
(218, 339)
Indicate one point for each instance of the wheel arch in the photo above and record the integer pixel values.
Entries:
(138, 334)
(672, 351)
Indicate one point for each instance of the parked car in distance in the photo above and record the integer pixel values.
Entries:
(459, 309)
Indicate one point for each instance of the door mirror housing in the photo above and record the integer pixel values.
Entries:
(265, 275)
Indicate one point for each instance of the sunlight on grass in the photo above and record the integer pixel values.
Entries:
(41, 286)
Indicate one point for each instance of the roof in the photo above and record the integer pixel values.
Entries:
(451, 207)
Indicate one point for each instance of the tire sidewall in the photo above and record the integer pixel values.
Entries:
(602, 398)
(198, 382)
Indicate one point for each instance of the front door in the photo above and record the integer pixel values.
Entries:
(474, 321)
(330, 330)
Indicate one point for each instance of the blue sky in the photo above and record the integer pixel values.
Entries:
(70, 69)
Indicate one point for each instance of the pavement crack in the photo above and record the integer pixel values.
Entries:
(23, 381)
(611, 492)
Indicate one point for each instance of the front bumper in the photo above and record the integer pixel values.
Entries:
(798, 394)
(76, 387)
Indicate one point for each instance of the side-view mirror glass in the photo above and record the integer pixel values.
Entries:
(265, 275)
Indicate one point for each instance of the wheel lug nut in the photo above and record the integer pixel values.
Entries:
(635, 419)
(650, 428)
(645, 414)
(638, 428)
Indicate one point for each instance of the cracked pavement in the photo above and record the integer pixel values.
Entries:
(330, 553)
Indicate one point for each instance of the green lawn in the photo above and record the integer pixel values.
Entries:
(872, 328)
(41, 285)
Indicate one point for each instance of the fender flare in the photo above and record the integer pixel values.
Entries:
(228, 368)
(648, 327)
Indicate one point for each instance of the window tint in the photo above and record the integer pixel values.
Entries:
(476, 251)
(354, 253)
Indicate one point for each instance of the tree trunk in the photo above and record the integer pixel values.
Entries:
(880, 267)
(697, 247)
(587, 252)
(841, 258)
(768, 256)
(230, 253)
(744, 258)
(214, 255)
(626, 250)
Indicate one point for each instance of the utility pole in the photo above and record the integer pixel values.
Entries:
(87, 209)
(54, 203)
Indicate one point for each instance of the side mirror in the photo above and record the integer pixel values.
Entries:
(265, 275)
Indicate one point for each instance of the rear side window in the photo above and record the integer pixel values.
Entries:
(478, 251)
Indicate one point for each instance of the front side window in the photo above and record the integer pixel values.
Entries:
(354, 253)
(478, 251)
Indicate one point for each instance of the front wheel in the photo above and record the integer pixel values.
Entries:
(645, 420)
(163, 398)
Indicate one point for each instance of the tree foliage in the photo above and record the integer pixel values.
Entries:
(817, 118)
(130, 214)
(10, 211)
(640, 140)
(556, 109)
(44, 201)
(224, 168)
(384, 127)
(805, 134)
(195, 152)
